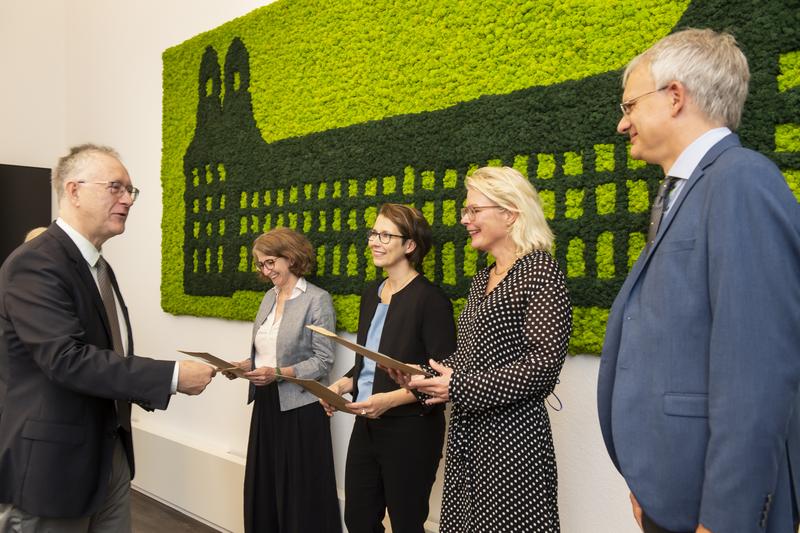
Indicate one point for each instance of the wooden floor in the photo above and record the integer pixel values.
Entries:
(149, 515)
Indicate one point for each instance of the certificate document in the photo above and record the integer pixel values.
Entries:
(216, 362)
(379, 358)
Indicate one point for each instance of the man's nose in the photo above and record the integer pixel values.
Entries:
(624, 124)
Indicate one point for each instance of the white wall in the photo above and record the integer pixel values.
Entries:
(90, 70)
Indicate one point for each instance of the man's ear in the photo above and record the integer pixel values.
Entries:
(677, 94)
(71, 192)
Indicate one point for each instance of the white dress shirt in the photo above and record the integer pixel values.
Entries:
(689, 159)
(266, 340)
(91, 255)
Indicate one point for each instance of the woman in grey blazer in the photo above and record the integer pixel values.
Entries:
(289, 483)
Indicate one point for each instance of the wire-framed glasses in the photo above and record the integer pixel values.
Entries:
(117, 188)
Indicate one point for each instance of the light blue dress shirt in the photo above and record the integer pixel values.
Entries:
(367, 376)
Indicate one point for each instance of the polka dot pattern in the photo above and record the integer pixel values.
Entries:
(500, 471)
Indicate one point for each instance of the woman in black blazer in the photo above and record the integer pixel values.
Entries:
(396, 443)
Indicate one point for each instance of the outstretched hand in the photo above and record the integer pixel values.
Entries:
(244, 364)
(193, 377)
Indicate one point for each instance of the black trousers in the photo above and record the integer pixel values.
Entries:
(391, 464)
(289, 481)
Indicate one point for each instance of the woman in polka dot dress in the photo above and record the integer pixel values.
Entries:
(500, 469)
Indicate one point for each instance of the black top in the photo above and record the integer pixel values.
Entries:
(419, 326)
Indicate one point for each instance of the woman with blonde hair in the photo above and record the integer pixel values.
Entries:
(500, 470)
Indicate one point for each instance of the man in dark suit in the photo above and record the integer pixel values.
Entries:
(700, 372)
(66, 350)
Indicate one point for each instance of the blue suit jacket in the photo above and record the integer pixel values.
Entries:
(700, 372)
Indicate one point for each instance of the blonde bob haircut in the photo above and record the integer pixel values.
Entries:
(513, 192)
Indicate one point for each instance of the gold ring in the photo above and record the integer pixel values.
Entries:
(363, 412)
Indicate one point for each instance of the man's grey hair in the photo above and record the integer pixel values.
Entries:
(75, 161)
(709, 64)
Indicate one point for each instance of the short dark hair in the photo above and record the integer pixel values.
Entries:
(287, 243)
(412, 224)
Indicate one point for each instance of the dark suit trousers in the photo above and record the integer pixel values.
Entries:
(391, 464)
(113, 517)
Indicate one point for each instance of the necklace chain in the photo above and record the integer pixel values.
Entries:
(406, 281)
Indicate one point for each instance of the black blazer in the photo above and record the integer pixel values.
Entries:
(59, 423)
(419, 326)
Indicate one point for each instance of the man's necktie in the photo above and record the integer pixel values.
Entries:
(107, 294)
(659, 204)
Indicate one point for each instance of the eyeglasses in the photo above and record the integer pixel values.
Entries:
(384, 236)
(117, 189)
(627, 105)
(269, 264)
(471, 211)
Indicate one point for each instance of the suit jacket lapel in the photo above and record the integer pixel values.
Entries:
(85, 275)
(727, 142)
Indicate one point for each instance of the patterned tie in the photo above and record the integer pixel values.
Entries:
(107, 294)
(659, 204)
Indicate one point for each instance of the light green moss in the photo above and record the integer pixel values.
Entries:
(605, 255)
(606, 198)
(573, 164)
(574, 203)
(548, 203)
(546, 166)
(789, 76)
(576, 265)
(638, 196)
(787, 138)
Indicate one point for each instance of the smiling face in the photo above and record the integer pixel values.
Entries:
(387, 255)
(489, 229)
(648, 122)
(280, 274)
(94, 210)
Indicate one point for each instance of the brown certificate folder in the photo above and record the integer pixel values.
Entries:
(321, 391)
(216, 362)
(379, 358)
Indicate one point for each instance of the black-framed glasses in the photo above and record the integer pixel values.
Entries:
(471, 211)
(383, 236)
(627, 105)
(117, 188)
(269, 264)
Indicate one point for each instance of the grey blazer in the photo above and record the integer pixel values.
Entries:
(309, 354)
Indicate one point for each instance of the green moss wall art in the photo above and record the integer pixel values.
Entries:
(310, 114)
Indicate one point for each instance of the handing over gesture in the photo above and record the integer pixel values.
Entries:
(193, 377)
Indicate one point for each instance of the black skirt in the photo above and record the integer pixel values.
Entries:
(289, 481)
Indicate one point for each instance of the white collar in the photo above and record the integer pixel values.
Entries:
(86, 248)
(687, 162)
(299, 287)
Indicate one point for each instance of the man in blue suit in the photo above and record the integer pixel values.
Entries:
(700, 373)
